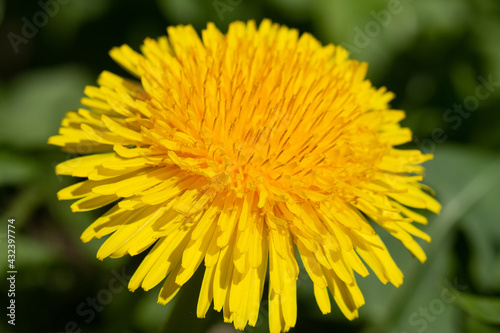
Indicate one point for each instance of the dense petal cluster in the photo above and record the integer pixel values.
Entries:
(243, 151)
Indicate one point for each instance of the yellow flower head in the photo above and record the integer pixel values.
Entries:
(244, 151)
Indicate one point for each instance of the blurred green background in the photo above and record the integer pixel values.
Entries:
(440, 57)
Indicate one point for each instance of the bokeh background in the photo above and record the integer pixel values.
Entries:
(440, 57)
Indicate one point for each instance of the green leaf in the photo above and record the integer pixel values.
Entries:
(480, 227)
(472, 325)
(150, 315)
(294, 8)
(371, 33)
(483, 308)
(36, 103)
(22, 205)
(462, 178)
(75, 14)
(442, 15)
(182, 11)
(33, 252)
(480, 223)
(16, 169)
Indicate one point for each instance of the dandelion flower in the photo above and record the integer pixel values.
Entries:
(241, 152)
